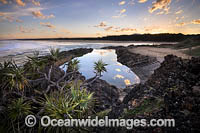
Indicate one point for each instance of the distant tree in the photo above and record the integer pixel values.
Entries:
(100, 67)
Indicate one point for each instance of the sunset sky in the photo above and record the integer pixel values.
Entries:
(95, 18)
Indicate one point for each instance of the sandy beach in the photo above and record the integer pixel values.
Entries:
(159, 53)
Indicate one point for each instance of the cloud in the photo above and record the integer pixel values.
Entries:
(142, 1)
(122, 2)
(151, 28)
(39, 14)
(126, 30)
(117, 69)
(119, 16)
(64, 31)
(197, 21)
(109, 28)
(20, 3)
(131, 2)
(164, 11)
(160, 13)
(19, 12)
(160, 4)
(122, 11)
(127, 82)
(36, 3)
(98, 34)
(118, 29)
(181, 24)
(118, 76)
(49, 25)
(114, 28)
(4, 1)
(25, 30)
(179, 12)
(19, 21)
(102, 24)
(6, 16)
(9, 18)
(50, 16)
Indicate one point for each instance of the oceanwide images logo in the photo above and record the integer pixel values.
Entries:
(46, 121)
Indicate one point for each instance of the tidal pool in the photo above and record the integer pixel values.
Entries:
(117, 74)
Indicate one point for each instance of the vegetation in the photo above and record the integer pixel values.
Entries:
(54, 54)
(193, 52)
(191, 46)
(14, 115)
(68, 105)
(73, 65)
(35, 62)
(187, 43)
(100, 67)
(146, 106)
(13, 76)
(49, 93)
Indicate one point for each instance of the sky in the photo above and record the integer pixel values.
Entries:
(96, 18)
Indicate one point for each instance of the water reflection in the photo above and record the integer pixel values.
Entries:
(117, 74)
(127, 82)
(118, 70)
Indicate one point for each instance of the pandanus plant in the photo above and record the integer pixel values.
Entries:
(100, 67)
(15, 114)
(35, 63)
(74, 103)
(73, 65)
(13, 77)
(71, 105)
(54, 54)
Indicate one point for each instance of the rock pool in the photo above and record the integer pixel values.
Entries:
(117, 74)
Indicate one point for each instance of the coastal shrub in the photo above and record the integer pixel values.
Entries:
(75, 104)
(13, 77)
(73, 65)
(18, 109)
(35, 63)
(147, 106)
(54, 53)
(14, 115)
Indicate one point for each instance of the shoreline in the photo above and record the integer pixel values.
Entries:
(154, 57)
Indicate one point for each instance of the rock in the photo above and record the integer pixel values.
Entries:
(176, 80)
(196, 90)
(2, 108)
(132, 46)
(113, 47)
(66, 56)
(136, 62)
(106, 95)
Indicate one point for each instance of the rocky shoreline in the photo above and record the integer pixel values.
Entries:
(174, 84)
(142, 66)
